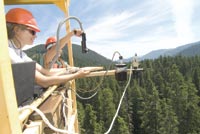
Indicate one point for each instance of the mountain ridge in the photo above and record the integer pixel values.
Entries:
(93, 58)
(184, 50)
(80, 59)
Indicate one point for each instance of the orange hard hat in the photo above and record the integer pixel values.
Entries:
(49, 42)
(22, 16)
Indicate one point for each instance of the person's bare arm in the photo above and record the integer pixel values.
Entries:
(50, 72)
(63, 41)
(46, 81)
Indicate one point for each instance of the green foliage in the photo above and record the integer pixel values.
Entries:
(107, 106)
(90, 121)
(89, 59)
(81, 115)
(121, 126)
(150, 113)
(164, 99)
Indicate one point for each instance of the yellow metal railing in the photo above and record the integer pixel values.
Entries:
(9, 121)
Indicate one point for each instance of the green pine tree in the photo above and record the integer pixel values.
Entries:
(90, 124)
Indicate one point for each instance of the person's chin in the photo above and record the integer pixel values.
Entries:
(30, 43)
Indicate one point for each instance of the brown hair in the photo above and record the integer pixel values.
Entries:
(10, 29)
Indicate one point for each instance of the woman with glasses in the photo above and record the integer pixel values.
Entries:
(22, 28)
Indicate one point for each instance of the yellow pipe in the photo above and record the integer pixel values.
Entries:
(9, 122)
(24, 114)
(71, 95)
(109, 72)
(15, 2)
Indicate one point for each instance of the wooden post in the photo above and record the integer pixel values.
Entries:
(9, 122)
(71, 95)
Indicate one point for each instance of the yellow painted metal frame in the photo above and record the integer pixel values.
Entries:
(9, 121)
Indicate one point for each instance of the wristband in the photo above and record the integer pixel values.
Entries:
(74, 31)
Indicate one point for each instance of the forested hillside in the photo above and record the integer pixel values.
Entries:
(163, 99)
(87, 59)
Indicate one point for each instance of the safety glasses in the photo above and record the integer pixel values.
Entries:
(31, 31)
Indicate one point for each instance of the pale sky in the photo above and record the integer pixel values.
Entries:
(128, 26)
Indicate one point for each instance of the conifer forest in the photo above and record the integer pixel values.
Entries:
(162, 99)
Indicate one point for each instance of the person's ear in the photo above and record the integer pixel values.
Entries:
(16, 29)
